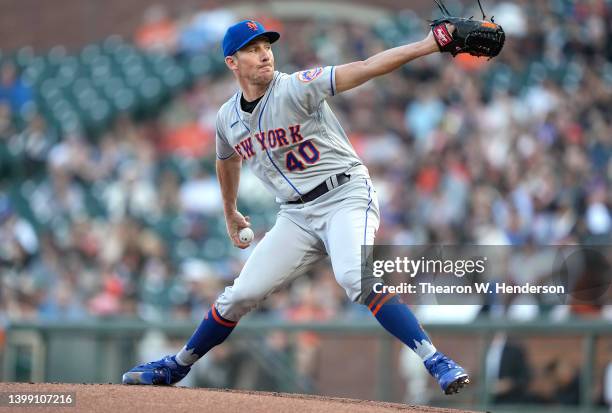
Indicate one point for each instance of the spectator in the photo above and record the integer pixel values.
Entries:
(565, 379)
(204, 30)
(32, 146)
(7, 127)
(157, 32)
(14, 90)
(508, 371)
(18, 240)
(607, 386)
(201, 195)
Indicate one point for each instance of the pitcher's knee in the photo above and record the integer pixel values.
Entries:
(351, 284)
(234, 303)
(358, 288)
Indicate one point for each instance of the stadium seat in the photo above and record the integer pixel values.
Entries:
(89, 53)
(56, 55)
(112, 43)
(24, 56)
(68, 71)
(35, 71)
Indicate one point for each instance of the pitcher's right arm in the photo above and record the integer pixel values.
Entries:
(228, 175)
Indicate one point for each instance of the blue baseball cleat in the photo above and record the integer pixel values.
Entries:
(449, 374)
(161, 372)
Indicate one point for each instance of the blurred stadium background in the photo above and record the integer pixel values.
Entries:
(112, 238)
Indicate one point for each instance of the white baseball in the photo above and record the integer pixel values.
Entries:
(246, 235)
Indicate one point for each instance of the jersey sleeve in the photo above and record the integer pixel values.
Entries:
(308, 88)
(223, 148)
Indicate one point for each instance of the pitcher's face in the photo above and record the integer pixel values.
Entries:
(254, 62)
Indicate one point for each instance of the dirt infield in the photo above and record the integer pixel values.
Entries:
(117, 398)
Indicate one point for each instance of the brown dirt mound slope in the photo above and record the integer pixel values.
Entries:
(117, 398)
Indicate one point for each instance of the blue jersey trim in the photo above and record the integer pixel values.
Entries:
(267, 150)
(234, 124)
(365, 230)
(331, 81)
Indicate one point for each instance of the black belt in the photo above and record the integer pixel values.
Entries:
(330, 183)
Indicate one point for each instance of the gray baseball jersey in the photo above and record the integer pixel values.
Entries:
(293, 142)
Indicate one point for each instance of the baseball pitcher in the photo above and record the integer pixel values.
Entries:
(282, 127)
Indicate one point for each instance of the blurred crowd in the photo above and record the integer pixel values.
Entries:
(513, 151)
(461, 151)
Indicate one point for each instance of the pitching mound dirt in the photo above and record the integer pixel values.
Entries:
(117, 398)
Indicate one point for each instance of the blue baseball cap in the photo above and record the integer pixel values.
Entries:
(241, 33)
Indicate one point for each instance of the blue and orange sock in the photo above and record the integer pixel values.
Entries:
(213, 330)
(398, 320)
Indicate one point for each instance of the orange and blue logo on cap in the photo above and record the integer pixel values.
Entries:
(252, 25)
(310, 75)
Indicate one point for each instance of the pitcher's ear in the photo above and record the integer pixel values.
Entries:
(231, 61)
